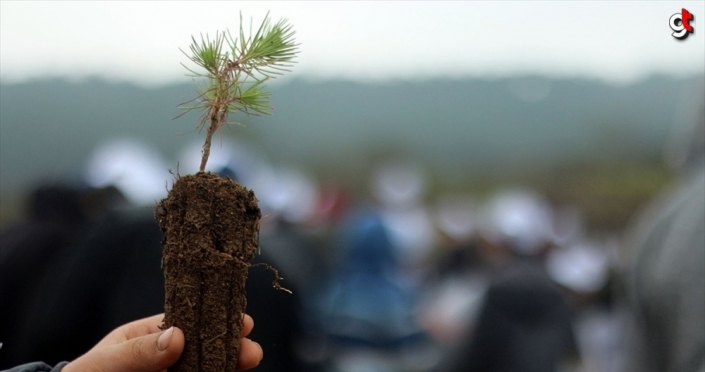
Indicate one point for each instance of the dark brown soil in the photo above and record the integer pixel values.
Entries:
(211, 227)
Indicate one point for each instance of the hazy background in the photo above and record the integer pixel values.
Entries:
(616, 41)
(575, 98)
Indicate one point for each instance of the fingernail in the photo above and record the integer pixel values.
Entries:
(164, 339)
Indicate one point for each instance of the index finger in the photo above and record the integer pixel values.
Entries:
(144, 326)
(247, 325)
(132, 330)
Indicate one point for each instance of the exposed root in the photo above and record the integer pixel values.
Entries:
(277, 278)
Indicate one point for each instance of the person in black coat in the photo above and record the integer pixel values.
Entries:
(525, 322)
(523, 325)
(30, 250)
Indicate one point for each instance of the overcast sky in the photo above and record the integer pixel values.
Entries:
(140, 41)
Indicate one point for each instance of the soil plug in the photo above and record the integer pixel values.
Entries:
(211, 223)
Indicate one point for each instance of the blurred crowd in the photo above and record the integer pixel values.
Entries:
(383, 279)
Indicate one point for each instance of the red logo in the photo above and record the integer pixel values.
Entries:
(680, 24)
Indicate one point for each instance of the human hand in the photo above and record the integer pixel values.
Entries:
(141, 346)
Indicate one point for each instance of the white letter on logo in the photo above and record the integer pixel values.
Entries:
(678, 28)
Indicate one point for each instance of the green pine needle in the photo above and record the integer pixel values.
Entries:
(234, 74)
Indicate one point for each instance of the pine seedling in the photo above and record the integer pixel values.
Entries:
(233, 71)
(211, 223)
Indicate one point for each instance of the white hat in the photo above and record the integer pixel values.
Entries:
(582, 267)
(135, 168)
(520, 218)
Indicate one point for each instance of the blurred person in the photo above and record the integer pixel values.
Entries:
(453, 291)
(455, 219)
(141, 346)
(58, 215)
(524, 323)
(367, 309)
(399, 188)
(110, 276)
(583, 268)
(666, 277)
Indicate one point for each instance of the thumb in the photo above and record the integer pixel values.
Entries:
(150, 353)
